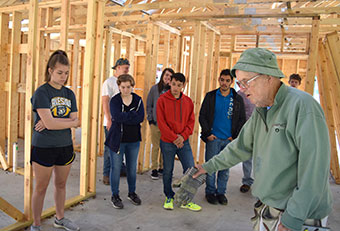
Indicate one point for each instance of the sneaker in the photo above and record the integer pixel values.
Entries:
(117, 202)
(160, 171)
(192, 206)
(106, 180)
(244, 188)
(211, 198)
(134, 198)
(222, 199)
(66, 224)
(154, 174)
(168, 204)
(35, 228)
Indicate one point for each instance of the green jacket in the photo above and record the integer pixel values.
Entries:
(290, 148)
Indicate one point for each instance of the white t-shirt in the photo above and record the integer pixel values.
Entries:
(111, 89)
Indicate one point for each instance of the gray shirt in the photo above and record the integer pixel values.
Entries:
(61, 102)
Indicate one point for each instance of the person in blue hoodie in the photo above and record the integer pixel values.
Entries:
(127, 113)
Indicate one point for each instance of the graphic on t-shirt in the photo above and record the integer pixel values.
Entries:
(60, 107)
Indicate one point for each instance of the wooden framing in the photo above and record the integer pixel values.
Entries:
(313, 53)
(4, 21)
(177, 40)
(13, 82)
(328, 96)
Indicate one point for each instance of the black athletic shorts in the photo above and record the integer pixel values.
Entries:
(53, 156)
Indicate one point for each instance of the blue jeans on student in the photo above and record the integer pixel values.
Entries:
(130, 150)
(106, 164)
(247, 166)
(169, 150)
(212, 148)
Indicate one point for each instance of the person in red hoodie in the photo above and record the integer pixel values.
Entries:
(176, 119)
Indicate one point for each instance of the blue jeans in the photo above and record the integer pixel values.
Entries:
(169, 150)
(247, 166)
(212, 149)
(130, 150)
(106, 164)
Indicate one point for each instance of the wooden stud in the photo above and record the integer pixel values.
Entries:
(333, 78)
(95, 97)
(166, 49)
(39, 79)
(31, 63)
(216, 59)
(4, 21)
(313, 54)
(154, 61)
(23, 66)
(117, 46)
(13, 96)
(149, 79)
(64, 24)
(87, 94)
(105, 74)
(199, 80)
(74, 74)
(130, 53)
(326, 100)
(334, 43)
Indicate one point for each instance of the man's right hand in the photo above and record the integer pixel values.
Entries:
(108, 124)
(211, 137)
(199, 172)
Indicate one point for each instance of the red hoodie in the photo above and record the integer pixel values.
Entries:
(175, 116)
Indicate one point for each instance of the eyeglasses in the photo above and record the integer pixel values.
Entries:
(245, 84)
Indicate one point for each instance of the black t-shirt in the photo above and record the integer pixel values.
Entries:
(131, 133)
(61, 102)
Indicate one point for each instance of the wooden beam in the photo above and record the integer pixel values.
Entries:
(216, 61)
(31, 63)
(181, 4)
(11, 210)
(168, 28)
(153, 70)
(87, 93)
(117, 46)
(211, 27)
(148, 80)
(313, 54)
(166, 49)
(64, 24)
(332, 55)
(4, 21)
(40, 47)
(327, 101)
(130, 52)
(96, 97)
(199, 78)
(13, 96)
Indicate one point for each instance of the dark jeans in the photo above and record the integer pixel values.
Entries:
(213, 148)
(169, 150)
(130, 150)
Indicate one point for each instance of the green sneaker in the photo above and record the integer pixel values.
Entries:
(192, 206)
(168, 204)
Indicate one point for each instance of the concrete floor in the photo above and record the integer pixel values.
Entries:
(98, 213)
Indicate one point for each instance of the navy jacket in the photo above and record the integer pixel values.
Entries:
(134, 117)
(207, 111)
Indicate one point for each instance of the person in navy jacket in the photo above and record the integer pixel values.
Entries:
(127, 112)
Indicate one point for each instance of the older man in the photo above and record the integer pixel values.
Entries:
(287, 138)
